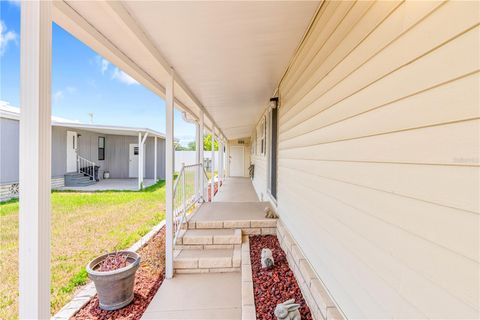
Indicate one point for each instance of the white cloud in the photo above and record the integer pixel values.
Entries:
(123, 77)
(102, 63)
(58, 95)
(104, 66)
(70, 89)
(6, 37)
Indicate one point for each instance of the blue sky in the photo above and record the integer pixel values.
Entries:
(83, 82)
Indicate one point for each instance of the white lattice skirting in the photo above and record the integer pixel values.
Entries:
(10, 190)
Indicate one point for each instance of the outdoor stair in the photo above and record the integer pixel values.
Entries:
(75, 179)
(207, 260)
(209, 238)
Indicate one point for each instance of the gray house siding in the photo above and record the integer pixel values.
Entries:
(116, 152)
(9, 150)
(59, 151)
(150, 160)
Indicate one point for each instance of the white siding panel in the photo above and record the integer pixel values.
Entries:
(431, 107)
(379, 156)
(363, 181)
(443, 144)
(324, 60)
(400, 21)
(373, 276)
(432, 261)
(417, 76)
(260, 176)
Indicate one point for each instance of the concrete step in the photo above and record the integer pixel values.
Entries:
(74, 179)
(248, 227)
(207, 260)
(209, 239)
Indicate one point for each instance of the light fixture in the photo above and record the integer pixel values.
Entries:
(274, 102)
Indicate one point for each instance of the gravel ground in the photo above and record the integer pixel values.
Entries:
(275, 285)
(148, 279)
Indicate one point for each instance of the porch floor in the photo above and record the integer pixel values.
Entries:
(112, 184)
(198, 296)
(227, 211)
(236, 190)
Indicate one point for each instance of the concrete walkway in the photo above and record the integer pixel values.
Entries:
(198, 296)
(236, 190)
(210, 295)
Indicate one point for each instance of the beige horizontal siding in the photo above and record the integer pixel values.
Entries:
(260, 176)
(379, 169)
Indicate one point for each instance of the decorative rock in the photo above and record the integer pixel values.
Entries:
(288, 310)
(267, 258)
(269, 213)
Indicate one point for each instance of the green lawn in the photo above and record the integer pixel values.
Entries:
(84, 225)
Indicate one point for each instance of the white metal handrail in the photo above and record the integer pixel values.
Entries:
(86, 167)
(187, 193)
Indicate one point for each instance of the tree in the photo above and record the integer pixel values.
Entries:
(179, 147)
(191, 146)
(207, 143)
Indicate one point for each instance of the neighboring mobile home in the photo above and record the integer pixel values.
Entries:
(369, 150)
(112, 149)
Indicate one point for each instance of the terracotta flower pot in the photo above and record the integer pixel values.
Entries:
(114, 288)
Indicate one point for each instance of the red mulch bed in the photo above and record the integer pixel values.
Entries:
(275, 285)
(148, 279)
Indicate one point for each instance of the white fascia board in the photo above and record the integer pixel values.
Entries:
(107, 128)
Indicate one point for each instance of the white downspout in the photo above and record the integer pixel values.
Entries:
(35, 159)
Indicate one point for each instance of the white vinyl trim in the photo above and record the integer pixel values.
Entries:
(35, 159)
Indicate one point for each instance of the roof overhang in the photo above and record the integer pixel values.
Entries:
(228, 57)
(109, 130)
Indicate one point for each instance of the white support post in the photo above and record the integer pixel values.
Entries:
(220, 162)
(155, 161)
(35, 159)
(227, 159)
(212, 187)
(200, 147)
(140, 158)
(198, 172)
(169, 151)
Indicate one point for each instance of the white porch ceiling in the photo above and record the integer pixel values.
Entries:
(229, 56)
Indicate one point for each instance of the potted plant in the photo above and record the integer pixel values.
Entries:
(114, 277)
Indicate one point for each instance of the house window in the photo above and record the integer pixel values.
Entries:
(261, 137)
(253, 147)
(101, 148)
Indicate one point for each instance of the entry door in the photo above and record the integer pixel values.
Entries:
(133, 161)
(72, 148)
(236, 161)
